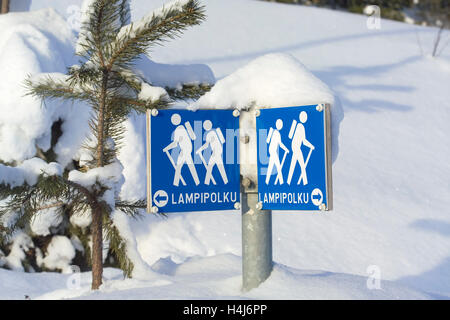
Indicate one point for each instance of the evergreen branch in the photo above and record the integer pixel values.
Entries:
(134, 40)
(133, 208)
(188, 91)
(98, 32)
(49, 206)
(98, 20)
(128, 77)
(85, 191)
(117, 246)
(26, 200)
(139, 105)
(49, 88)
(113, 129)
(80, 75)
(140, 204)
(48, 192)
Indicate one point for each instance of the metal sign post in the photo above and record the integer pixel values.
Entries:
(257, 261)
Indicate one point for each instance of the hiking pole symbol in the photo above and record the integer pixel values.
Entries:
(174, 166)
(281, 165)
(307, 158)
(206, 167)
(306, 164)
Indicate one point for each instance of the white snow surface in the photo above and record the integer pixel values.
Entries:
(215, 277)
(109, 175)
(21, 244)
(81, 219)
(151, 93)
(44, 221)
(390, 178)
(60, 253)
(104, 175)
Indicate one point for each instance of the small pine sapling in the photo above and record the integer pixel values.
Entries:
(105, 80)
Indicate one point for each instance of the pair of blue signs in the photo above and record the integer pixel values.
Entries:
(193, 159)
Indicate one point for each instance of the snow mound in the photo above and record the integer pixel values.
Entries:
(273, 80)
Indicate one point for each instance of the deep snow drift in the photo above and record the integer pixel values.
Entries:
(391, 176)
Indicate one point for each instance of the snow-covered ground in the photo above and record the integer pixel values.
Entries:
(391, 177)
(215, 277)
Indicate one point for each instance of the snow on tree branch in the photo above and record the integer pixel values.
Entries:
(28, 172)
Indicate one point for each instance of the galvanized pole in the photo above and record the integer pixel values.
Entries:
(257, 261)
(256, 242)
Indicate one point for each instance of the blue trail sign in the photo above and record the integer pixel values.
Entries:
(192, 160)
(294, 158)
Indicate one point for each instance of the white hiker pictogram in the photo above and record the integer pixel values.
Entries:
(182, 138)
(214, 140)
(274, 141)
(298, 136)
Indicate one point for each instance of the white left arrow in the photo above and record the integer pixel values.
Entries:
(160, 198)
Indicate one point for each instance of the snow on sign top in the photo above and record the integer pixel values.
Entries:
(270, 81)
(273, 80)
